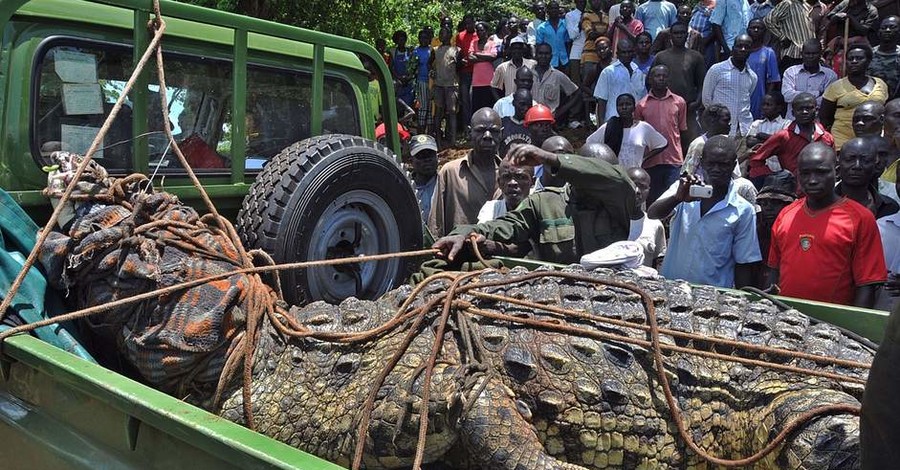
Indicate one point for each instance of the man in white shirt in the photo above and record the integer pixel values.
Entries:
(524, 79)
(576, 35)
(620, 77)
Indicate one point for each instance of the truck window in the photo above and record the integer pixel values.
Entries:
(78, 86)
(198, 92)
(278, 111)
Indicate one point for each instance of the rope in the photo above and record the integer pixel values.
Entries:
(101, 134)
(261, 303)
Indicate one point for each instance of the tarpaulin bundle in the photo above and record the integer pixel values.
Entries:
(123, 240)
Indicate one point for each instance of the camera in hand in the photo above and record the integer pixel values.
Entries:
(701, 191)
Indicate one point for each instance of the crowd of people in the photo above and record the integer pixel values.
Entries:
(730, 144)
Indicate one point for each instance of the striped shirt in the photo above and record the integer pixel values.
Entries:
(727, 85)
(790, 22)
(798, 80)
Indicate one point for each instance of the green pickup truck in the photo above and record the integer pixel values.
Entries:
(242, 92)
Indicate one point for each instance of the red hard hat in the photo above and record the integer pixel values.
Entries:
(380, 132)
(537, 113)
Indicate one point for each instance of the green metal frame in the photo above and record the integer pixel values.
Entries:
(200, 25)
(113, 417)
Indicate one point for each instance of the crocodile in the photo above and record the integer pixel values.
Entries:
(545, 399)
(503, 394)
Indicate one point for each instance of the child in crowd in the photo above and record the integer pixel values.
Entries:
(771, 122)
(422, 61)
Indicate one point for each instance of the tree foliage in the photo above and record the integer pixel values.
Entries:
(369, 19)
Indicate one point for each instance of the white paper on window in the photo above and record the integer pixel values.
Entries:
(82, 98)
(75, 67)
(78, 139)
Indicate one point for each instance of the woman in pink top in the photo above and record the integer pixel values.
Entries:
(482, 53)
(625, 25)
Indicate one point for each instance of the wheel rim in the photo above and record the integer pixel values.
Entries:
(359, 222)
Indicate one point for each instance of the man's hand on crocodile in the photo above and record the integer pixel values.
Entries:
(529, 155)
(451, 245)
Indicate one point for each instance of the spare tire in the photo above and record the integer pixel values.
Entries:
(334, 196)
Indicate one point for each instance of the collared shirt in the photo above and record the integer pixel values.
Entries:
(889, 228)
(505, 75)
(764, 63)
(768, 126)
(546, 87)
(786, 144)
(614, 81)
(726, 84)
(790, 21)
(656, 15)
(531, 30)
(424, 194)
(556, 37)
(700, 20)
(576, 35)
(733, 16)
(668, 115)
(760, 10)
(798, 80)
(459, 195)
(687, 70)
(705, 249)
(504, 106)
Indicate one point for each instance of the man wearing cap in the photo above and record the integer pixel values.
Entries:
(592, 211)
(504, 81)
(423, 151)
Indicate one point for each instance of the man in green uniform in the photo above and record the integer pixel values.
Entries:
(593, 210)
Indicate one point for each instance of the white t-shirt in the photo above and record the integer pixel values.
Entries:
(651, 235)
(492, 210)
(636, 140)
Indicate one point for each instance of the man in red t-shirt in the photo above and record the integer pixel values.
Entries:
(464, 40)
(826, 247)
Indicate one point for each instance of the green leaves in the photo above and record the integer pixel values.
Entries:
(370, 19)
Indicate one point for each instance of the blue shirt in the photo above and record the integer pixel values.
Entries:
(422, 54)
(656, 15)
(705, 250)
(760, 10)
(614, 81)
(557, 39)
(733, 16)
(764, 63)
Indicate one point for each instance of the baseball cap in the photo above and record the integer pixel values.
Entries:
(422, 142)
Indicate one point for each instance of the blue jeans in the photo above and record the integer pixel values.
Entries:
(661, 177)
